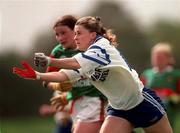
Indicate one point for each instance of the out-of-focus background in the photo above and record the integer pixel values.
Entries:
(26, 28)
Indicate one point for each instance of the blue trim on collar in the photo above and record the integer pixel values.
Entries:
(103, 51)
(93, 59)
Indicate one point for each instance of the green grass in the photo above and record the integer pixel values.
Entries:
(41, 125)
(27, 125)
(177, 128)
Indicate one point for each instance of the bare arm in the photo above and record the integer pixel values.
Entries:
(29, 73)
(53, 76)
(65, 63)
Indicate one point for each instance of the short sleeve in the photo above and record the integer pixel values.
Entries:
(73, 75)
(94, 57)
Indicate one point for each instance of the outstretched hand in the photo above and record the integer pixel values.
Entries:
(27, 73)
(40, 59)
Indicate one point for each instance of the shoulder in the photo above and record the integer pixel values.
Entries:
(147, 71)
(100, 44)
(102, 41)
(57, 50)
(176, 72)
(57, 47)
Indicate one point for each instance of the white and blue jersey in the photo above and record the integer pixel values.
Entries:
(109, 73)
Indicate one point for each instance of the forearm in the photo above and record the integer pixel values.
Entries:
(53, 76)
(65, 63)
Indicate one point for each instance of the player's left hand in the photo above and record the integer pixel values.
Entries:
(59, 101)
(27, 73)
(63, 86)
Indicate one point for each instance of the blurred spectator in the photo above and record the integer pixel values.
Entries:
(164, 79)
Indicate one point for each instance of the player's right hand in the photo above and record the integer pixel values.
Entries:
(59, 101)
(40, 59)
(27, 73)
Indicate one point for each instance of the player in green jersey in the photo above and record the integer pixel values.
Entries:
(163, 78)
(83, 93)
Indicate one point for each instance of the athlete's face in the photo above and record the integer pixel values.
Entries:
(83, 37)
(65, 36)
(160, 59)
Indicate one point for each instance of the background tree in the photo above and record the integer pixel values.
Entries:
(19, 97)
(166, 31)
(132, 40)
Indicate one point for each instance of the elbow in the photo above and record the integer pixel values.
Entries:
(75, 65)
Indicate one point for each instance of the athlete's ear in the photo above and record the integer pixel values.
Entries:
(93, 35)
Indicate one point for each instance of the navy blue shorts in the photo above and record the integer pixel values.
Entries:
(148, 112)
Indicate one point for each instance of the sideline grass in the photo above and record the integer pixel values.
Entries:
(28, 125)
(42, 125)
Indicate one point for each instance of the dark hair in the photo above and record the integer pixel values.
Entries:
(94, 24)
(67, 20)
